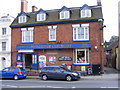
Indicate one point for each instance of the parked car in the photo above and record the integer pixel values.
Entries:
(13, 72)
(57, 72)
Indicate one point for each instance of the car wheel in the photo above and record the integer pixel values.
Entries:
(16, 77)
(68, 78)
(44, 77)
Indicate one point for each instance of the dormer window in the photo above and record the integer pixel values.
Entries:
(85, 11)
(41, 15)
(22, 17)
(64, 13)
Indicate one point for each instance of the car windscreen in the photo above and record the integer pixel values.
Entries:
(21, 69)
(66, 69)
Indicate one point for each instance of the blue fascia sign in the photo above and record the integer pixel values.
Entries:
(54, 46)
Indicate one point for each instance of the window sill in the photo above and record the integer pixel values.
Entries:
(40, 20)
(26, 42)
(86, 17)
(51, 41)
(81, 64)
(21, 22)
(64, 18)
(81, 40)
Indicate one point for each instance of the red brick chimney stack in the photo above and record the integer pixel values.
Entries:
(24, 6)
(34, 8)
(99, 2)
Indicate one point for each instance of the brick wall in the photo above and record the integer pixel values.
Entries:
(65, 35)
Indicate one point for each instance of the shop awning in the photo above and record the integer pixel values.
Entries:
(54, 46)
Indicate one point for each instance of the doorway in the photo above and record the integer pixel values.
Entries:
(3, 62)
(28, 61)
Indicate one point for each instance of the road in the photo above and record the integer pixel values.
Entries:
(103, 81)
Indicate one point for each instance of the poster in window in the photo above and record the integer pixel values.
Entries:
(52, 59)
(42, 61)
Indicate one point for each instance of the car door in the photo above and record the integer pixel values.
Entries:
(51, 72)
(4, 72)
(11, 72)
(59, 73)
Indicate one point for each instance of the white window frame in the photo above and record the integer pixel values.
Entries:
(79, 28)
(4, 46)
(51, 28)
(85, 13)
(41, 17)
(4, 31)
(22, 19)
(30, 36)
(85, 50)
(64, 14)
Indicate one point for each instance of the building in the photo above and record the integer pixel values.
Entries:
(112, 55)
(66, 36)
(5, 41)
(119, 37)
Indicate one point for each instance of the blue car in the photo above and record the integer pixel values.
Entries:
(13, 72)
(57, 72)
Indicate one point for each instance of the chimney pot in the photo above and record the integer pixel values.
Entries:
(99, 2)
(34, 8)
(24, 6)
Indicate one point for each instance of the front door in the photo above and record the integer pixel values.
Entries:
(28, 61)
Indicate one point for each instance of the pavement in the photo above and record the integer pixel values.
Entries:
(108, 72)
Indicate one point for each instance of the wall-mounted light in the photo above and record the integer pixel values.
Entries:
(96, 48)
(102, 44)
(102, 27)
(101, 24)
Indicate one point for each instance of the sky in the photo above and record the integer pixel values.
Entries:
(109, 8)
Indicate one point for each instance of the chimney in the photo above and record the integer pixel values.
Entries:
(34, 8)
(99, 2)
(24, 6)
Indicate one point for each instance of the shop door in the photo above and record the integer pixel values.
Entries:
(34, 61)
(28, 61)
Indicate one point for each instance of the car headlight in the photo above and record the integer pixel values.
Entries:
(75, 74)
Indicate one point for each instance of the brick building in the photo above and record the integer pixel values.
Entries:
(71, 36)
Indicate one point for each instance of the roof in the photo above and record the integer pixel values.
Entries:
(113, 45)
(53, 16)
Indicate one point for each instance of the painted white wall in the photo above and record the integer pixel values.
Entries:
(5, 22)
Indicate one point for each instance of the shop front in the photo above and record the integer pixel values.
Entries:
(34, 57)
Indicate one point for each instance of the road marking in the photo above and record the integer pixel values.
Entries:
(10, 86)
(109, 87)
(73, 87)
(53, 87)
(39, 87)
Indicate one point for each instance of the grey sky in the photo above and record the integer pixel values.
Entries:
(110, 10)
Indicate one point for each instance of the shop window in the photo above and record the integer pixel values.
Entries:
(82, 56)
(27, 35)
